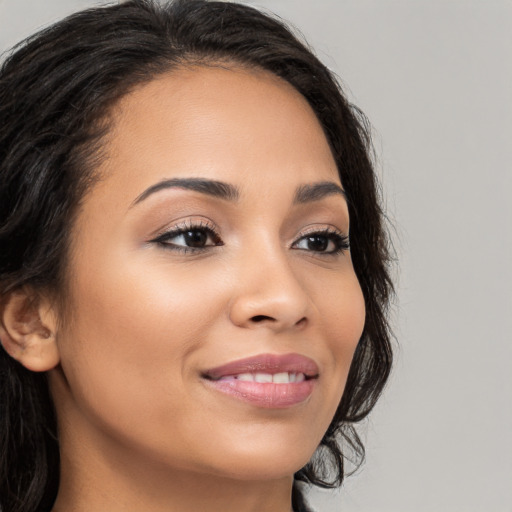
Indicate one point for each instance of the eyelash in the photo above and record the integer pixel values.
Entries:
(163, 239)
(340, 240)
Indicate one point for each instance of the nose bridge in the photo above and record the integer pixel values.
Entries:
(268, 290)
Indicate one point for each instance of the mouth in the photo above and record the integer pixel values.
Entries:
(267, 380)
(262, 377)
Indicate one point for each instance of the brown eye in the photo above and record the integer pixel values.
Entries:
(195, 238)
(324, 242)
(317, 243)
(183, 239)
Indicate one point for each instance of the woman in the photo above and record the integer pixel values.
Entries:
(186, 323)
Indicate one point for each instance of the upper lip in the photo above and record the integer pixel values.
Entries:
(266, 363)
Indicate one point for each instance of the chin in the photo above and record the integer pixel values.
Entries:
(266, 461)
(274, 468)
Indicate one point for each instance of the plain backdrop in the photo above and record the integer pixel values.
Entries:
(435, 79)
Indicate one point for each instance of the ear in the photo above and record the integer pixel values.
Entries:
(28, 326)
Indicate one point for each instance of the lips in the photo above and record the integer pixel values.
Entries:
(266, 380)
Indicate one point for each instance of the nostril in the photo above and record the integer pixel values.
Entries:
(261, 318)
(302, 322)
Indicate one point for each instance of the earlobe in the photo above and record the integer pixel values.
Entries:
(28, 330)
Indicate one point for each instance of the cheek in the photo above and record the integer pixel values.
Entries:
(344, 316)
(341, 309)
(145, 302)
(348, 321)
(130, 339)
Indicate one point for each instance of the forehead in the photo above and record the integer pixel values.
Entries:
(231, 124)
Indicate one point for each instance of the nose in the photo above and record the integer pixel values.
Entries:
(269, 294)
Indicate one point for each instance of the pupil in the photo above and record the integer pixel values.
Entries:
(195, 238)
(317, 243)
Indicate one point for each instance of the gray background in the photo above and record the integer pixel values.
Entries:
(435, 78)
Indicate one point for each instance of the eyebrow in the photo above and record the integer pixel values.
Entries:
(210, 187)
(304, 194)
(317, 191)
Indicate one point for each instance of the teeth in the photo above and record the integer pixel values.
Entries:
(276, 378)
(281, 378)
(263, 377)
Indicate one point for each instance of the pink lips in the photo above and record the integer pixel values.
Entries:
(266, 394)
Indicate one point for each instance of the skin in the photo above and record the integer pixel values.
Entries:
(139, 429)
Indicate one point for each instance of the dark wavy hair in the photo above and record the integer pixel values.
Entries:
(57, 90)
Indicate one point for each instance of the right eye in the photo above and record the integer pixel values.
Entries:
(189, 238)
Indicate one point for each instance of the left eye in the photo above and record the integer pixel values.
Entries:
(327, 243)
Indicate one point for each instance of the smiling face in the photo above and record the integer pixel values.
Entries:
(212, 254)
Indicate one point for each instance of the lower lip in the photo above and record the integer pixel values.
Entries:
(266, 394)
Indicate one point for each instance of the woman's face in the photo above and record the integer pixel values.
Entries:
(215, 309)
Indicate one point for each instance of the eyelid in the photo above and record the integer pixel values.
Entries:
(194, 222)
(321, 229)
